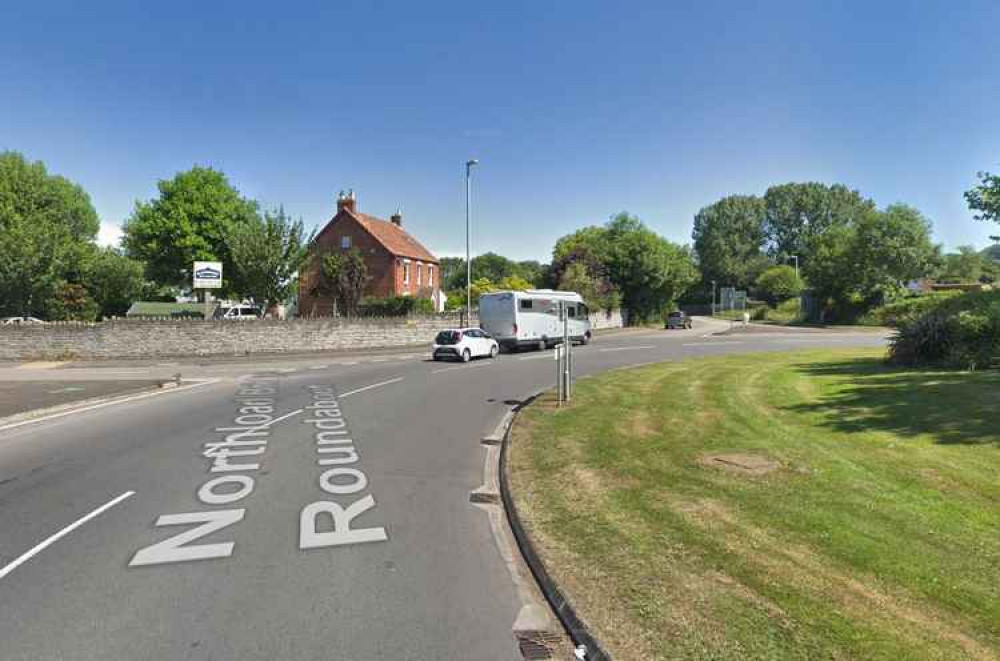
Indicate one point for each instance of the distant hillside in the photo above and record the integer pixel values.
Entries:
(993, 252)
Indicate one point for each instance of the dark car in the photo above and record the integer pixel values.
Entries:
(678, 319)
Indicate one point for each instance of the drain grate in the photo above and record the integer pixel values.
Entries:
(539, 644)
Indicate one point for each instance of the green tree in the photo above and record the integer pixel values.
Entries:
(967, 265)
(452, 273)
(190, 220)
(514, 283)
(71, 302)
(863, 262)
(985, 198)
(531, 271)
(597, 292)
(797, 212)
(492, 266)
(650, 272)
(345, 276)
(115, 282)
(266, 254)
(779, 283)
(47, 231)
(730, 240)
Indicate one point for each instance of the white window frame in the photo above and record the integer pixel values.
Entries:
(420, 274)
(406, 272)
(345, 242)
(430, 275)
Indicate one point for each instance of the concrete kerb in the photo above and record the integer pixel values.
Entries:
(532, 627)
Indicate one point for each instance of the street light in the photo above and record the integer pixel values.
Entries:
(468, 260)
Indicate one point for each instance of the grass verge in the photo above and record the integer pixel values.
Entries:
(788, 506)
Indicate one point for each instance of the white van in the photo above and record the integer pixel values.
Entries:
(531, 318)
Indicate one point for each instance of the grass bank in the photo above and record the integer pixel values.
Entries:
(788, 506)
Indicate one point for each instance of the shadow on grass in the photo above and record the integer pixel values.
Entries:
(956, 407)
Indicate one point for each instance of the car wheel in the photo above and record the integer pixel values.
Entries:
(466, 356)
(494, 350)
(543, 344)
(689, 325)
(586, 338)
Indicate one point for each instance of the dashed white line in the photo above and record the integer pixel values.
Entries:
(462, 367)
(539, 356)
(644, 346)
(319, 367)
(374, 385)
(709, 344)
(38, 548)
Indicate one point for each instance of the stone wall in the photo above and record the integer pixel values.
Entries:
(603, 319)
(153, 339)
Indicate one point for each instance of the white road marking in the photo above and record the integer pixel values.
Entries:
(709, 344)
(644, 346)
(374, 385)
(285, 370)
(100, 405)
(539, 356)
(461, 367)
(378, 360)
(38, 548)
(348, 362)
(319, 367)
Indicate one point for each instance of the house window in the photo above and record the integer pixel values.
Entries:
(345, 242)
(420, 274)
(430, 275)
(406, 272)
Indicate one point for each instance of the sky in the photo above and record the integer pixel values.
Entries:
(576, 110)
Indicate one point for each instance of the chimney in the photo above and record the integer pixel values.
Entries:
(346, 201)
(397, 218)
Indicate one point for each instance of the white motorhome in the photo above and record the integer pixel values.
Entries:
(531, 318)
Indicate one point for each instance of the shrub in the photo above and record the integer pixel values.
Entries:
(960, 331)
(910, 307)
(395, 306)
(779, 283)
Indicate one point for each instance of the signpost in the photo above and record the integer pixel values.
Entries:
(207, 276)
(563, 355)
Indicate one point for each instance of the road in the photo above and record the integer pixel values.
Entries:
(199, 523)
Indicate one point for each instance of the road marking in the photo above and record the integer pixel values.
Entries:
(644, 346)
(378, 360)
(319, 367)
(285, 370)
(67, 389)
(38, 548)
(709, 344)
(460, 367)
(540, 356)
(101, 405)
(374, 385)
(348, 362)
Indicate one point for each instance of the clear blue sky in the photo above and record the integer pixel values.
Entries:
(577, 110)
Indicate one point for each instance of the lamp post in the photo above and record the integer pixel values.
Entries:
(713, 298)
(468, 258)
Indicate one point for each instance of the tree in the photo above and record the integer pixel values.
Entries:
(597, 292)
(865, 261)
(779, 283)
(729, 240)
(345, 276)
(985, 198)
(795, 213)
(452, 273)
(531, 271)
(190, 220)
(266, 254)
(492, 266)
(514, 283)
(967, 265)
(47, 231)
(115, 282)
(650, 272)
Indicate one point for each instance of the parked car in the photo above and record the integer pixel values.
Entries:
(678, 319)
(464, 344)
(16, 321)
(238, 312)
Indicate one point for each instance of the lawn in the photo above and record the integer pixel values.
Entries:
(810, 505)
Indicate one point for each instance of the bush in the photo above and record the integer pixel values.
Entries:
(395, 306)
(910, 307)
(960, 331)
(779, 283)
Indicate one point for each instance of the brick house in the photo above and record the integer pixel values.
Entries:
(398, 265)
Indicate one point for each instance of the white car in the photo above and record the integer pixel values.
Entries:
(14, 321)
(464, 344)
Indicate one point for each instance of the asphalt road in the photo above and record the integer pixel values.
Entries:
(247, 561)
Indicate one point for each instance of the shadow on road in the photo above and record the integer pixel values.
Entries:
(957, 407)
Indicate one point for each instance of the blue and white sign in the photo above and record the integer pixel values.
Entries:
(207, 275)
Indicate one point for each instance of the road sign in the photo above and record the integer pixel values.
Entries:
(207, 275)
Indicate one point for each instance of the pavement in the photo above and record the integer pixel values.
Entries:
(306, 508)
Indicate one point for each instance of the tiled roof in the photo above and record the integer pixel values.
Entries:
(394, 238)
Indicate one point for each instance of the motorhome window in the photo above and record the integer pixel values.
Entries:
(525, 303)
(571, 309)
(583, 311)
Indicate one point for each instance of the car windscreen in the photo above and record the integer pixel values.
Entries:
(448, 337)
(676, 314)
